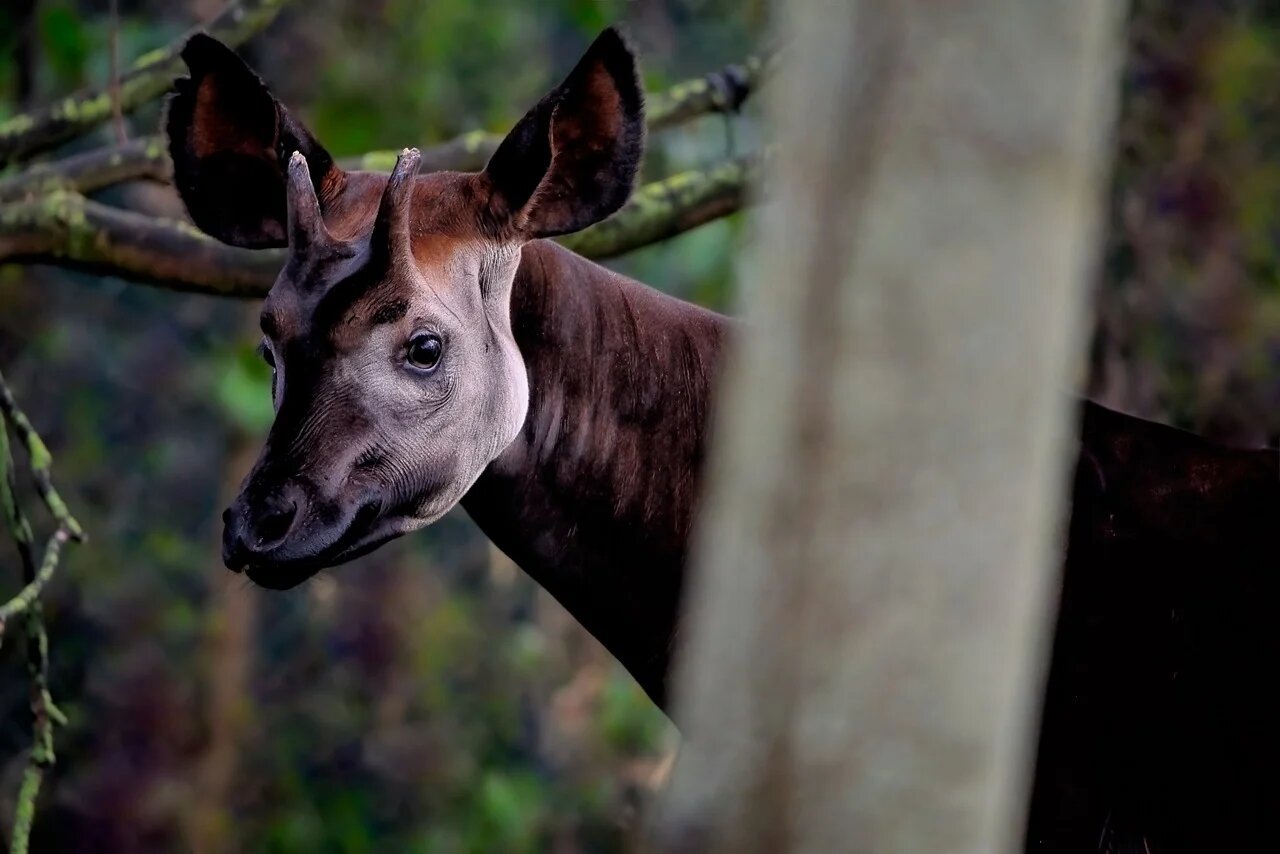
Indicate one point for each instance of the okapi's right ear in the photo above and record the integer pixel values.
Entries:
(230, 142)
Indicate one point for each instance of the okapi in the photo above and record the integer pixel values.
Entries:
(431, 348)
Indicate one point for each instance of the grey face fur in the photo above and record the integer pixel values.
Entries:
(397, 378)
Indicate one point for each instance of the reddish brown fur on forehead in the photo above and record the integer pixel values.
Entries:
(445, 218)
(444, 203)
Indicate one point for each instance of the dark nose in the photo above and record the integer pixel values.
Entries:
(253, 528)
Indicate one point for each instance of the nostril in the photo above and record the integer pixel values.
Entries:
(274, 525)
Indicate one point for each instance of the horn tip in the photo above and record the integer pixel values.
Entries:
(406, 167)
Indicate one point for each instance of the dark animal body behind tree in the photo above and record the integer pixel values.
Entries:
(430, 349)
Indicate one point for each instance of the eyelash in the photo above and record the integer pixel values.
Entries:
(264, 350)
(267, 356)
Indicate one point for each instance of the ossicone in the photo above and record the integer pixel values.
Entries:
(307, 230)
(395, 212)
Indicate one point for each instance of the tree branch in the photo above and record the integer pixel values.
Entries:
(466, 153)
(146, 158)
(67, 229)
(41, 462)
(666, 208)
(30, 594)
(30, 133)
(722, 91)
(140, 159)
(45, 217)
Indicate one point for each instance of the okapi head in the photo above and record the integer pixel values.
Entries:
(396, 378)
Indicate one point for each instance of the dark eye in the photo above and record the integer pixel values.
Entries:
(267, 356)
(425, 349)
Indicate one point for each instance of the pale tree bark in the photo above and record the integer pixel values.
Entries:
(875, 572)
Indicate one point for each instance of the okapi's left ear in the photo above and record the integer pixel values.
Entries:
(230, 141)
(572, 160)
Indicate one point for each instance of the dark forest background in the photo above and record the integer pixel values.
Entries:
(428, 697)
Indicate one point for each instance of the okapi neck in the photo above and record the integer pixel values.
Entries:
(595, 498)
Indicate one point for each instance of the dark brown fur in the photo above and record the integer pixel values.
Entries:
(1159, 729)
(595, 498)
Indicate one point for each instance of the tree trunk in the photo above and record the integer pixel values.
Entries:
(878, 549)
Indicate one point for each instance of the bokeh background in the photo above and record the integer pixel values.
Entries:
(428, 697)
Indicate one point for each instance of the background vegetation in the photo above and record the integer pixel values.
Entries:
(428, 697)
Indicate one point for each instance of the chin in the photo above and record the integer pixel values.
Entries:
(290, 572)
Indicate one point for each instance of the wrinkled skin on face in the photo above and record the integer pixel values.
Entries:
(397, 378)
(367, 443)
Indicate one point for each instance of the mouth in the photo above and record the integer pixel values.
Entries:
(294, 563)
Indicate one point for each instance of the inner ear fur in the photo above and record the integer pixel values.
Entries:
(573, 159)
(230, 142)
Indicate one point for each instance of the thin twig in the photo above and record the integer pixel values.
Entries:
(30, 594)
(113, 61)
(41, 462)
(45, 714)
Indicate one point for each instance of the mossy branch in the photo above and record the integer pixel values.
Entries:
(145, 158)
(722, 91)
(669, 207)
(151, 75)
(45, 216)
(67, 229)
(45, 714)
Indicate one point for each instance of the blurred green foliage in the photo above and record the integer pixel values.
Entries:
(427, 698)
(1189, 308)
(66, 43)
(243, 383)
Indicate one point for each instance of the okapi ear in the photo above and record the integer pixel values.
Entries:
(230, 142)
(572, 160)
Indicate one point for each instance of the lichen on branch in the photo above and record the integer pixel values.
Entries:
(143, 158)
(666, 208)
(721, 91)
(65, 228)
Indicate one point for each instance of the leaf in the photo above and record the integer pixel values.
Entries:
(244, 390)
(65, 41)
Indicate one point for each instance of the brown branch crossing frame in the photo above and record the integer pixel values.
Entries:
(45, 216)
(65, 228)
